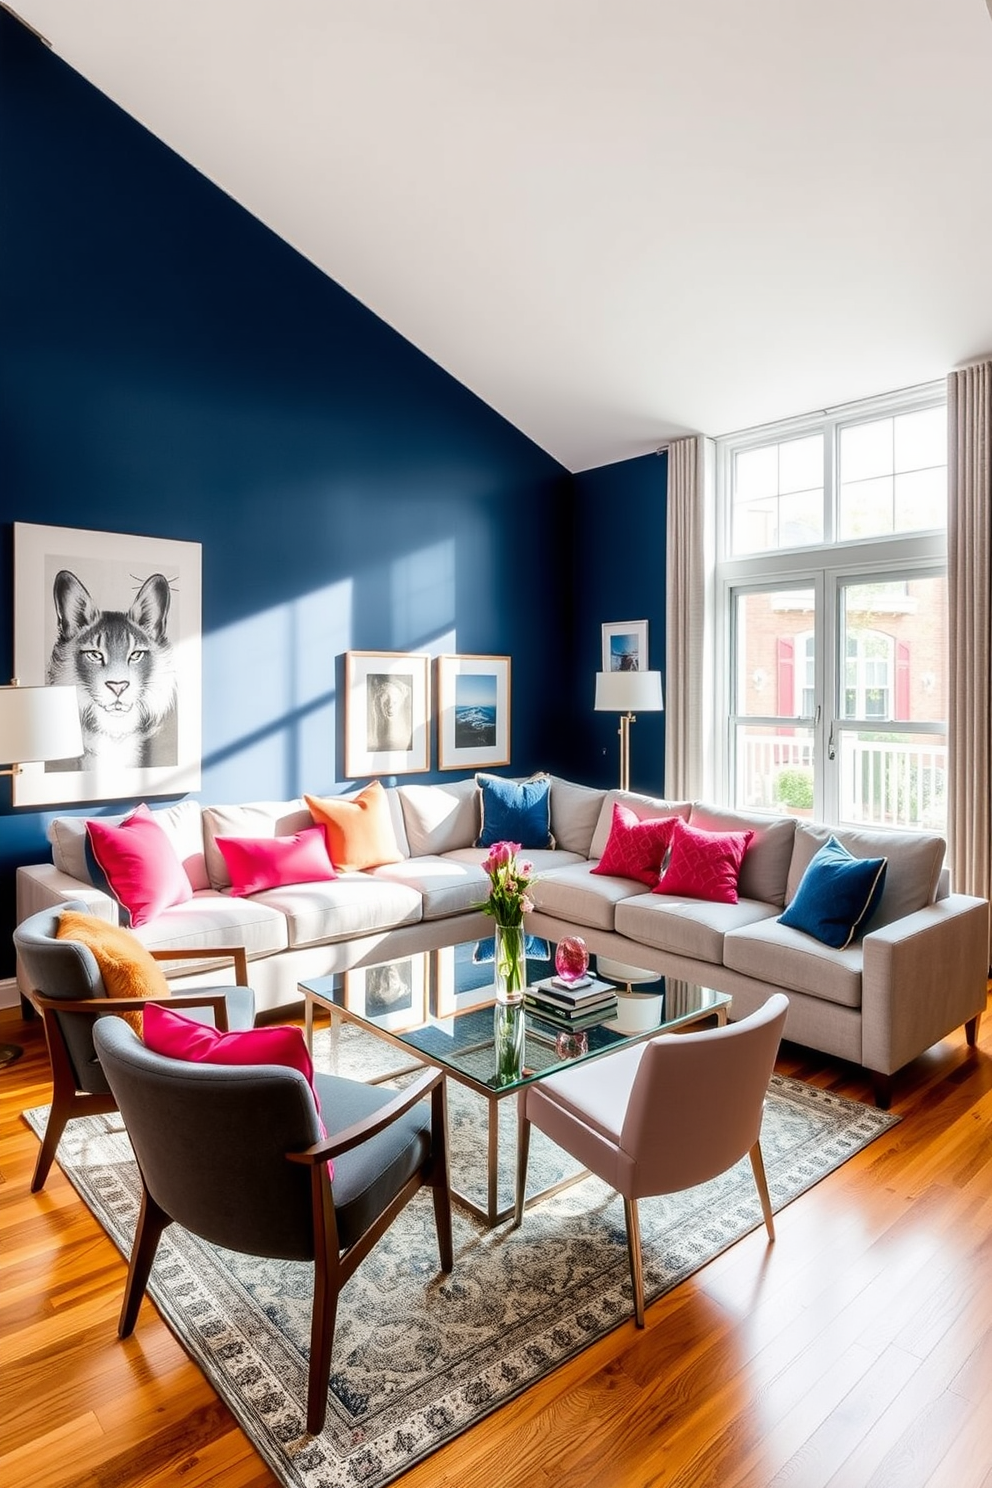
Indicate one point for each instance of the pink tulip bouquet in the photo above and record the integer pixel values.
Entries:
(508, 902)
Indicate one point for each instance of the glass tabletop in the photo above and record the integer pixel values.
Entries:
(439, 1005)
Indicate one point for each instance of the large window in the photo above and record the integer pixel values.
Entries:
(833, 596)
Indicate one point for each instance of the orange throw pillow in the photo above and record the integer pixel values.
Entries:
(127, 967)
(359, 829)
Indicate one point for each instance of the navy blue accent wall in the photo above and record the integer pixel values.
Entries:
(620, 516)
(169, 367)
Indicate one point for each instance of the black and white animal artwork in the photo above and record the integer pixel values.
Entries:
(123, 666)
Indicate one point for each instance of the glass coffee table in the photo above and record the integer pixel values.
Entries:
(437, 1007)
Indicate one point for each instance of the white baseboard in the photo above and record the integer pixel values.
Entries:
(10, 996)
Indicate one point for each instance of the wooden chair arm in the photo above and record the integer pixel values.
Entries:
(237, 954)
(370, 1126)
(215, 1000)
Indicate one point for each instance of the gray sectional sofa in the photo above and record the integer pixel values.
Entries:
(919, 973)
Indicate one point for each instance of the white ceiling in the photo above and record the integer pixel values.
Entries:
(617, 221)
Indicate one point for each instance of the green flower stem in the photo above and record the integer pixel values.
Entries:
(508, 1038)
(511, 964)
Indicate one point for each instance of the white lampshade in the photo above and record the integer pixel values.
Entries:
(628, 692)
(39, 723)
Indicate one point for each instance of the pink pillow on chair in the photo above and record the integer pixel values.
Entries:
(636, 848)
(139, 865)
(177, 1037)
(704, 865)
(257, 863)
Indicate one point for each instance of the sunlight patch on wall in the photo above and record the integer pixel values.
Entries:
(269, 699)
(422, 595)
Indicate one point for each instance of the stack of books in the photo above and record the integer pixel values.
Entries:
(572, 1005)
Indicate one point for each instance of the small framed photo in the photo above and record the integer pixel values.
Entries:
(473, 712)
(625, 646)
(387, 712)
(393, 996)
(462, 981)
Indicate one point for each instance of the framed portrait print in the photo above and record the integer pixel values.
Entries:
(393, 995)
(387, 712)
(625, 646)
(117, 617)
(473, 712)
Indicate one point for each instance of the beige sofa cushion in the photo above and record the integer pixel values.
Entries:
(574, 814)
(180, 822)
(582, 897)
(440, 818)
(643, 807)
(914, 861)
(686, 927)
(448, 886)
(212, 919)
(350, 905)
(255, 819)
(765, 870)
(795, 962)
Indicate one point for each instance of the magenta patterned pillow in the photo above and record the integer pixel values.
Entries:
(636, 848)
(704, 865)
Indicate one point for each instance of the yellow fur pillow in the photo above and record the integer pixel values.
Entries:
(359, 829)
(127, 968)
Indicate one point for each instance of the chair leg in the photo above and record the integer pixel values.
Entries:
(523, 1151)
(634, 1252)
(326, 1287)
(59, 1114)
(151, 1222)
(761, 1182)
(67, 1103)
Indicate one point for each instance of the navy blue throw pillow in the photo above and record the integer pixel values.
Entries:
(837, 896)
(515, 813)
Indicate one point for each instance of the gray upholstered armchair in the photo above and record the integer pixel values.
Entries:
(68, 991)
(235, 1154)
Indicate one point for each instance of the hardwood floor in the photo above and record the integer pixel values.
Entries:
(854, 1353)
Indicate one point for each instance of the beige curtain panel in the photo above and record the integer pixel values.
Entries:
(969, 579)
(686, 700)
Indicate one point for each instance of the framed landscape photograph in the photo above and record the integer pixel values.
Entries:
(118, 618)
(394, 994)
(461, 981)
(387, 712)
(625, 646)
(473, 712)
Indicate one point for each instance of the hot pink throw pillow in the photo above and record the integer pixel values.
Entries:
(257, 863)
(704, 865)
(636, 848)
(139, 866)
(177, 1037)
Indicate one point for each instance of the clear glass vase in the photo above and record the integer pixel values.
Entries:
(511, 963)
(508, 1039)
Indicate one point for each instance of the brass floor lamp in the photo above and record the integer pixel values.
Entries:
(627, 693)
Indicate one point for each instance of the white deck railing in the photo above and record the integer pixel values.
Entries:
(881, 784)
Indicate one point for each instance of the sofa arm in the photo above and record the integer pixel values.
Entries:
(923, 976)
(43, 886)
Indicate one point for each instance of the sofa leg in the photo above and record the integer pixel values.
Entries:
(971, 1029)
(882, 1085)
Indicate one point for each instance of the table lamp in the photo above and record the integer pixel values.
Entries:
(627, 693)
(36, 724)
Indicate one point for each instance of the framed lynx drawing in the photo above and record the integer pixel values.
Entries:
(119, 618)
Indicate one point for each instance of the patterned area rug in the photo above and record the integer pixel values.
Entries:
(419, 1358)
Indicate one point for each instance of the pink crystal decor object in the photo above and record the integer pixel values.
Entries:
(571, 959)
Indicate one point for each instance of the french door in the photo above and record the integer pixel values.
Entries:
(837, 696)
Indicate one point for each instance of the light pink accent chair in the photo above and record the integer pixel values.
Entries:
(661, 1116)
